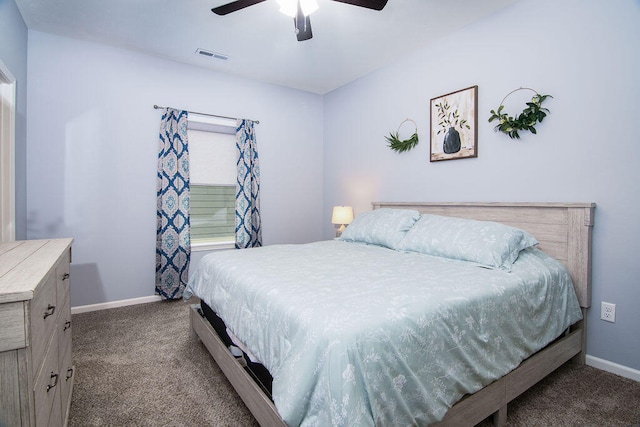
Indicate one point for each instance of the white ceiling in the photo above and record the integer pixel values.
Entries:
(348, 41)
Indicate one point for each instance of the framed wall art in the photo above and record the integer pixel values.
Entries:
(454, 125)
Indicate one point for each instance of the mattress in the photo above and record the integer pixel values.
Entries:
(357, 334)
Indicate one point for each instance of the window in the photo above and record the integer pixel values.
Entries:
(212, 169)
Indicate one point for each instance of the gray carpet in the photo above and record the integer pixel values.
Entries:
(139, 366)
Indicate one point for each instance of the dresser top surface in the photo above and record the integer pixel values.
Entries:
(25, 263)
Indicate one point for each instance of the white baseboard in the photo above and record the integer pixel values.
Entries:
(605, 365)
(114, 304)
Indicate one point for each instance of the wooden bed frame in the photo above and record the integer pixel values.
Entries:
(564, 232)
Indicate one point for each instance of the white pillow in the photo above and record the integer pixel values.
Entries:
(384, 227)
(486, 243)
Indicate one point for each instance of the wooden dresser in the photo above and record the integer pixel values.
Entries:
(36, 372)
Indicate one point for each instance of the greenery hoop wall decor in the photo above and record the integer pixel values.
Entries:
(401, 146)
(526, 120)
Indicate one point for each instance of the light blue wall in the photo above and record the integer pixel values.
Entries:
(92, 155)
(587, 55)
(13, 52)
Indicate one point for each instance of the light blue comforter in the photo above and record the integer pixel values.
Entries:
(360, 335)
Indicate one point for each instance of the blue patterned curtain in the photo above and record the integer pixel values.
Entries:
(173, 243)
(248, 225)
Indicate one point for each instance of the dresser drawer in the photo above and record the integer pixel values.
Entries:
(64, 328)
(13, 334)
(43, 318)
(62, 278)
(66, 382)
(46, 388)
(55, 417)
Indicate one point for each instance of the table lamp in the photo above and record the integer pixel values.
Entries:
(342, 216)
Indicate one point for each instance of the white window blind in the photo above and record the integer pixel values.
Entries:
(212, 168)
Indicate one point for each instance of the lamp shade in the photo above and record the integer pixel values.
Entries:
(342, 215)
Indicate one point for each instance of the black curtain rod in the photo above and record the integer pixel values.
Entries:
(157, 107)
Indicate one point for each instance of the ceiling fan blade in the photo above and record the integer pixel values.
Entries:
(234, 6)
(302, 25)
(369, 4)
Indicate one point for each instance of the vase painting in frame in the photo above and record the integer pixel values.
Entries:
(454, 125)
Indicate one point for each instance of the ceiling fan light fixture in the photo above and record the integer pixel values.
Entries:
(299, 10)
(290, 7)
(308, 6)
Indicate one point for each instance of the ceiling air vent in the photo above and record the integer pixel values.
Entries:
(210, 54)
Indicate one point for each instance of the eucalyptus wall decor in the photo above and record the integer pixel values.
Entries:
(527, 120)
(400, 146)
(454, 129)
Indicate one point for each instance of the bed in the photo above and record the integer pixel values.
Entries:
(313, 369)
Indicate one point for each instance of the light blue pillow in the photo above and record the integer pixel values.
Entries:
(489, 244)
(384, 227)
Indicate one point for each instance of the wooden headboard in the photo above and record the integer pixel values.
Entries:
(563, 229)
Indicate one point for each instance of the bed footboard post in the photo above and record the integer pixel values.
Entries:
(500, 417)
(192, 313)
(580, 358)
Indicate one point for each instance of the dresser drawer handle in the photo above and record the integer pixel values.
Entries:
(69, 374)
(50, 310)
(67, 325)
(54, 377)
(65, 276)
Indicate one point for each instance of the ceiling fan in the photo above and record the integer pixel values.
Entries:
(299, 10)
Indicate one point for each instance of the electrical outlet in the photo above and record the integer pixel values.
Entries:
(608, 312)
